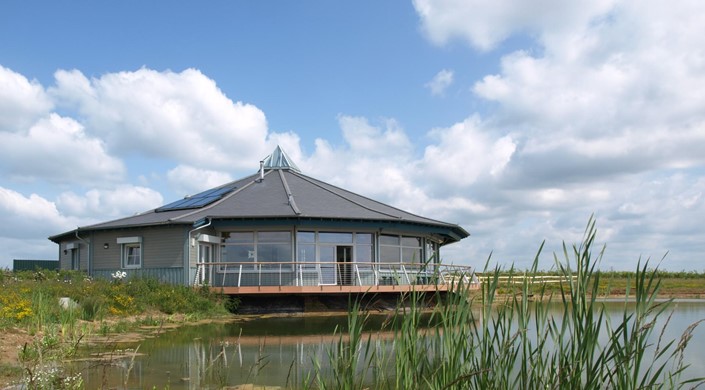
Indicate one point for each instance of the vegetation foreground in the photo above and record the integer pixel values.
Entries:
(503, 336)
(39, 332)
(496, 340)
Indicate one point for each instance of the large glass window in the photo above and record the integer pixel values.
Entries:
(411, 250)
(405, 249)
(239, 247)
(335, 238)
(257, 247)
(306, 248)
(432, 254)
(363, 248)
(273, 247)
(389, 251)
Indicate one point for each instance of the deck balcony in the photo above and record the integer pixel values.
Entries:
(330, 278)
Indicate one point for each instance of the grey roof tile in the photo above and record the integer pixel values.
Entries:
(268, 198)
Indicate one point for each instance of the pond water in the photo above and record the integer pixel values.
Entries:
(279, 351)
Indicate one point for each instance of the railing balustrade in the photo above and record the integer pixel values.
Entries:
(261, 274)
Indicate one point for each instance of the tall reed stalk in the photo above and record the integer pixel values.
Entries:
(510, 336)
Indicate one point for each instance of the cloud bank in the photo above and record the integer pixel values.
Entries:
(600, 111)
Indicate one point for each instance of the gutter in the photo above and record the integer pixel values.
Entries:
(88, 245)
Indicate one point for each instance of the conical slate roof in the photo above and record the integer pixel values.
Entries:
(282, 192)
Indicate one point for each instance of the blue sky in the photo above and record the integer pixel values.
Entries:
(517, 121)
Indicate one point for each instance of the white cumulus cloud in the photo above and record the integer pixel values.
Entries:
(440, 82)
(58, 149)
(104, 204)
(188, 180)
(29, 216)
(178, 116)
(22, 101)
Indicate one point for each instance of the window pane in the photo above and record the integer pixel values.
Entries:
(388, 240)
(389, 254)
(273, 237)
(132, 256)
(239, 237)
(335, 238)
(306, 252)
(306, 237)
(327, 253)
(411, 255)
(411, 241)
(431, 251)
(363, 238)
(273, 252)
(204, 252)
(363, 253)
(238, 253)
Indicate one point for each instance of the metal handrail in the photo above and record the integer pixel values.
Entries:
(231, 274)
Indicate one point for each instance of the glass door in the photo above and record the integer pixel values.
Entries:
(344, 260)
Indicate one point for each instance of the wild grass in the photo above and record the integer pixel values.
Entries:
(494, 340)
(30, 298)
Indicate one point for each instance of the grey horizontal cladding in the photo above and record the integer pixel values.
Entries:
(163, 246)
(172, 275)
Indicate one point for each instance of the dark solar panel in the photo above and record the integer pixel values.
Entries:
(199, 200)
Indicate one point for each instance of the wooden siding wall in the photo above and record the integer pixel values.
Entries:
(65, 258)
(162, 247)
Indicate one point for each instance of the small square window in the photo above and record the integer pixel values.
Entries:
(132, 255)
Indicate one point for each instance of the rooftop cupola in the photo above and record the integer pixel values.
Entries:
(279, 160)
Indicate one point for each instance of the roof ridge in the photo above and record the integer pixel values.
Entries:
(289, 195)
(219, 201)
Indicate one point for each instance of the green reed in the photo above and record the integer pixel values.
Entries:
(498, 338)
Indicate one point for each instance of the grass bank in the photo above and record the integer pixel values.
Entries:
(610, 284)
(38, 331)
(495, 340)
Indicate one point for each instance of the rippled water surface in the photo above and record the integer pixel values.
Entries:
(279, 351)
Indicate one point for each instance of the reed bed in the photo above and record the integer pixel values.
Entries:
(493, 340)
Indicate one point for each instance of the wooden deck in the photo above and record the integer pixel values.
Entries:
(303, 290)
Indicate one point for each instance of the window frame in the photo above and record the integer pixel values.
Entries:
(251, 267)
(130, 242)
(126, 255)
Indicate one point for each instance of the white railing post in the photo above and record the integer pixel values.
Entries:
(225, 272)
(406, 274)
(239, 276)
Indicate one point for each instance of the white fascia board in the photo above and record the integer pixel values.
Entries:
(129, 240)
(209, 239)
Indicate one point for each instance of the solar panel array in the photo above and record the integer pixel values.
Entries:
(199, 200)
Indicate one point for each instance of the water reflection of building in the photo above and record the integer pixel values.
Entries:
(275, 232)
